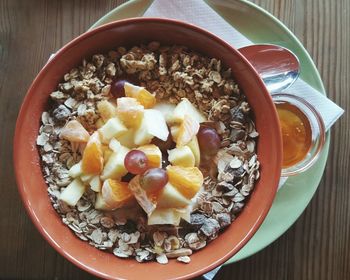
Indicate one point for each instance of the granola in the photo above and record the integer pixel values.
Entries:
(171, 73)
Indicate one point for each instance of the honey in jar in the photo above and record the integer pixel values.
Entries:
(296, 133)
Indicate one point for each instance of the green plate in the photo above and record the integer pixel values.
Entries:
(261, 27)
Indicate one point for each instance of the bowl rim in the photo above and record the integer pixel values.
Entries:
(51, 61)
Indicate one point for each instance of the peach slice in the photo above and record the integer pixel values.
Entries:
(187, 130)
(130, 111)
(147, 99)
(187, 180)
(73, 131)
(153, 154)
(116, 194)
(92, 162)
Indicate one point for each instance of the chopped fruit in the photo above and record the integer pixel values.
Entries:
(141, 196)
(86, 178)
(136, 162)
(114, 145)
(75, 170)
(73, 131)
(185, 107)
(187, 180)
(174, 130)
(153, 154)
(170, 216)
(112, 128)
(116, 194)
(107, 152)
(106, 109)
(73, 192)
(209, 141)
(166, 109)
(152, 125)
(194, 146)
(182, 156)
(114, 168)
(95, 184)
(117, 88)
(171, 197)
(100, 203)
(92, 162)
(130, 111)
(188, 129)
(153, 180)
(99, 123)
(147, 99)
(127, 139)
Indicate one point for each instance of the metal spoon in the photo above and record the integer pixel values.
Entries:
(277, 66)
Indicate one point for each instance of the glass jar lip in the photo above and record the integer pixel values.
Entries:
(305, 164)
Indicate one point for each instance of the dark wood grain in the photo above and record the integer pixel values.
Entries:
(317, 246)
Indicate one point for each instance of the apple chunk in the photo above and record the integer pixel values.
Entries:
(95, 184)
(127, 139)
(170, 197)
(194, 146)
(182, 156)
(73, 192)
(153, 125)
(75, 170)
(114, 168)
(112, 128)
(185, 107)
(167, 110)
(169, 216)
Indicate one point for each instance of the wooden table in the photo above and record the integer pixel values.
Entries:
(317, 246)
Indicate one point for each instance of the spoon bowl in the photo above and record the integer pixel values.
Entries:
(277, 66)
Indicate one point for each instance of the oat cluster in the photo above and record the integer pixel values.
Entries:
(171, 72)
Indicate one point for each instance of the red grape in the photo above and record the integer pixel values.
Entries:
(209, 141)
(136, 162)
(154, 179)
(117, 88)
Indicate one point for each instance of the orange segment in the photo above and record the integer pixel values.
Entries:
(187, 180)
(187, 130)
(116, 194)
(147, 99)
(153, 154)
(92, 162)
(129, 111)
(73, 131)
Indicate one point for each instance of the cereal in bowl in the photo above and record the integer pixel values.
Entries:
(148, 152)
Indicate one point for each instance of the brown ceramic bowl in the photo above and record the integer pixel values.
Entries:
(131, 32)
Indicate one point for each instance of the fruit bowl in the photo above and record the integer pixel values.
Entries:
(32, 186)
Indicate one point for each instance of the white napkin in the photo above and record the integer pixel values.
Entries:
(199, 13)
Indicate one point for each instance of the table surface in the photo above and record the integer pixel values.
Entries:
(317, 246)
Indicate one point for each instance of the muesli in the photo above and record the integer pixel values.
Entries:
(148, 152)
